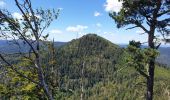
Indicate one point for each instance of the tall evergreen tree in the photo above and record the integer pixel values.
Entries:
(151, 16)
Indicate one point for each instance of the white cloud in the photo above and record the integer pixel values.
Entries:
(17, 15)
(78, 28)
(56, 31)
(113, 5)
(99, 25)
(96, 14)
(2, 3)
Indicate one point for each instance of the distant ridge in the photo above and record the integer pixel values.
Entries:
(7, 46)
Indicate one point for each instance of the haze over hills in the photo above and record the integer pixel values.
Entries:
(9, 47)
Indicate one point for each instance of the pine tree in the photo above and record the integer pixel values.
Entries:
(151, 16)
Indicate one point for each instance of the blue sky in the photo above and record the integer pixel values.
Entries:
(79, 17)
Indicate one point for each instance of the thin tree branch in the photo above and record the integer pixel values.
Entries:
(19, 73)
(26, 18)
(158, 46)
(165, 12)
(132, 27)
(19, 32)
(141, 26)
(34, 19)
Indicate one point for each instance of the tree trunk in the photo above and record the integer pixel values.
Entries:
(40, 72)
(46, 90)
(150, 80)
(82, 85)
(43, 84)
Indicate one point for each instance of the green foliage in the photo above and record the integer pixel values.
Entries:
(127, 85)
(106, 74)
(139, 57)
(16, 87)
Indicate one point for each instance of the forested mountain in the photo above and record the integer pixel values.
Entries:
(96, 68)
(96, 57)
(81, 63)
(90, 67)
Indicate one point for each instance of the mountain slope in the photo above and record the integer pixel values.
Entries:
(93, 67)
(93, 55)
(101, 78)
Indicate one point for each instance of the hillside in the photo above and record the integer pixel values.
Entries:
(91, 53)
(101, 77)
(90, 66)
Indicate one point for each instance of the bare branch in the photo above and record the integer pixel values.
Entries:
(13, 24)
(26, 18)
(141, 26)
(34, 18)
(165, 12)
(19, 73)
(131, 27)
(158, 46)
